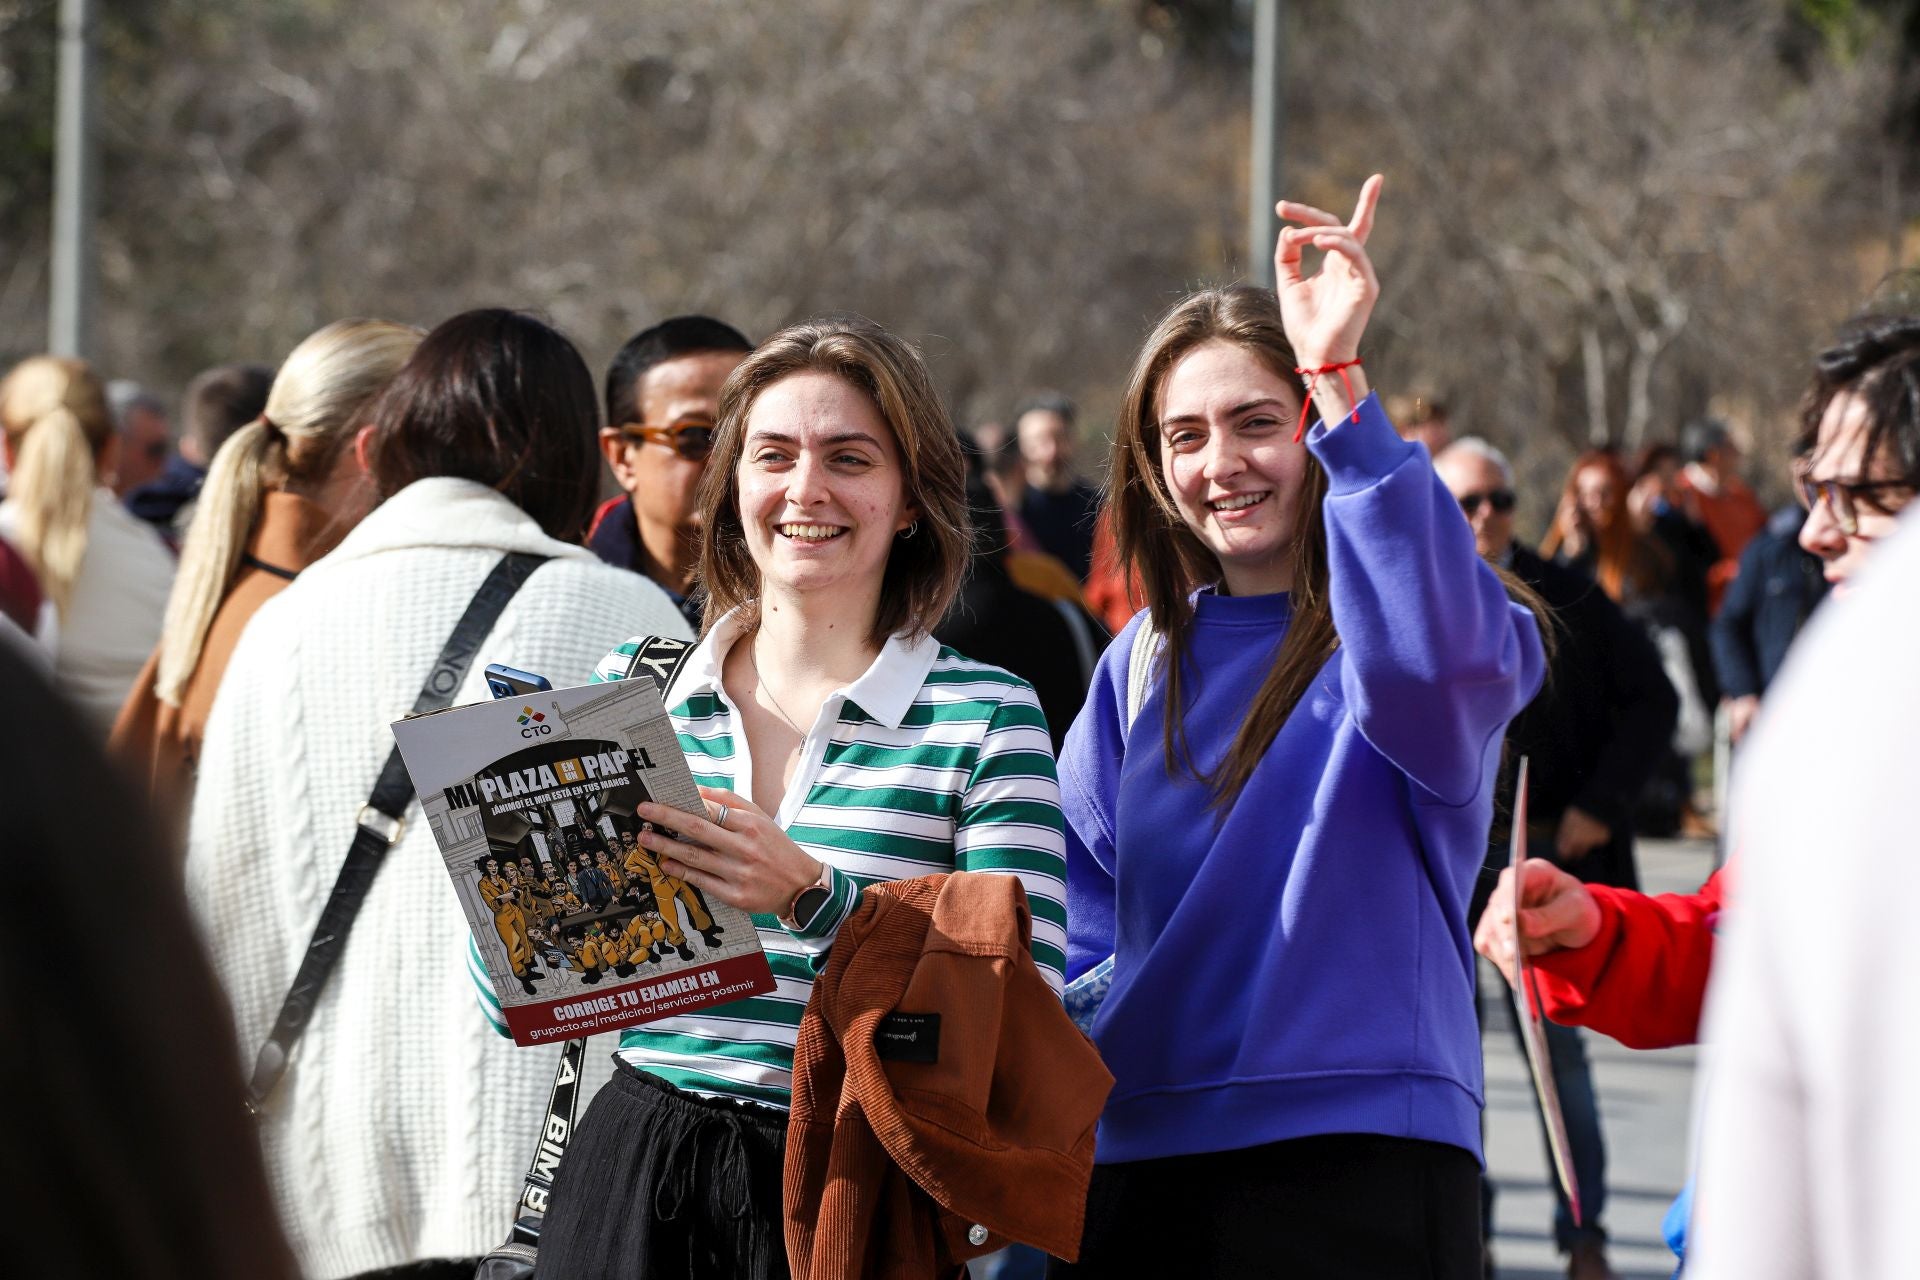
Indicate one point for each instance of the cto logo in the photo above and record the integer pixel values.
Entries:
(533, 724)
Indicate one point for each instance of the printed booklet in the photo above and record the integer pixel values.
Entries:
(532, 801)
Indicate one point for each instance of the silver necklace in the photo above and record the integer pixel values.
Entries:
(760, 682)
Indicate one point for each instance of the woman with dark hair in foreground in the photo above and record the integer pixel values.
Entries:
(128, 1151)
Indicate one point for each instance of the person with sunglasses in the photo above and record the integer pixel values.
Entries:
(1633, 966)
(146, 435)
(663, 398)
(1593, 733)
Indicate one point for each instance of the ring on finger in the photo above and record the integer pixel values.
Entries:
(720, 818)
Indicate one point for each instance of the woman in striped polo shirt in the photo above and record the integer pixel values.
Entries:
(837, 745)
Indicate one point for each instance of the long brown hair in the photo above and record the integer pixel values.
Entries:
(1623, 561)
(923, 571)
(1150, 535)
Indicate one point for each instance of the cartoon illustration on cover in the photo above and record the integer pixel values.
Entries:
(540, 842)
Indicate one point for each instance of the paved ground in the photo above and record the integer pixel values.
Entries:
(1645, 1104)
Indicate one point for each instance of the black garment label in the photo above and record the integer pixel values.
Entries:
(908, 1037)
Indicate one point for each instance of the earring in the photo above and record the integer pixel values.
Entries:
(911, 529)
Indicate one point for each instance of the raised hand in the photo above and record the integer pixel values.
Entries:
(1325, 313)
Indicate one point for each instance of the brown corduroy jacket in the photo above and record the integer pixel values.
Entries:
(976, 1127)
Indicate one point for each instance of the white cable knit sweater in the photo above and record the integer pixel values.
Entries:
(404, 1124)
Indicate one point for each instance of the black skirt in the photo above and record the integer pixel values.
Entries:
(660, 1184)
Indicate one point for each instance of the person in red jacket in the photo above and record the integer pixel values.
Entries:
(1629, 965)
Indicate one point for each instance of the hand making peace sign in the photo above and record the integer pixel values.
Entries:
(1325, 313)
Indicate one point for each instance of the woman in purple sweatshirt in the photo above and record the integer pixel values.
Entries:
(1276, 833)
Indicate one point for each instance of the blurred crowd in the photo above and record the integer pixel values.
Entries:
(230, 595)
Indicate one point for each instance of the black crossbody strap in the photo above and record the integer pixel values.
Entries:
(379, 825)
(659, 658)
(555, 1131)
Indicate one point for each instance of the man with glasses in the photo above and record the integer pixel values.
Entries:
(1593, 734)
(217, 403)
(663, 399)
(1864, 464)
(146, 436)
(1808, 1121)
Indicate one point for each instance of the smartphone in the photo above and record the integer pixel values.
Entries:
(511, 682)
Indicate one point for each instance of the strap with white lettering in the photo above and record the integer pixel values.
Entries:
(660, 658)
(562, 1105)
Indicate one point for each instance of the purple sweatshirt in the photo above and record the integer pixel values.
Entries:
(1301, 964)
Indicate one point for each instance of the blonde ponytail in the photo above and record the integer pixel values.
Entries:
(312, 414)
(251, 462)
(55, 415)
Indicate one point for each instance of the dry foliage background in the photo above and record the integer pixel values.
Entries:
(1602, 218)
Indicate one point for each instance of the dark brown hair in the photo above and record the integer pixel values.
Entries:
(645, 351)
(500, 398)
(923, 571)
(220, 401)
(1651, 458)
(1150, 535)
(1878, 360)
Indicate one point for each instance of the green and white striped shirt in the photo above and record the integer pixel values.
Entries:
(928, 762)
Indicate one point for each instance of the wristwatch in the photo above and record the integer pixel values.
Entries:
(809, 901)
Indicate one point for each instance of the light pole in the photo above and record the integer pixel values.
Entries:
(69, 320)
(1263, 226)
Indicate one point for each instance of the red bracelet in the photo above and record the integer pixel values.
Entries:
(1310, 375)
